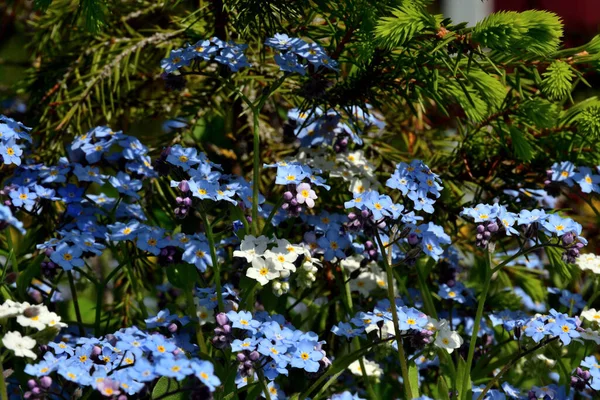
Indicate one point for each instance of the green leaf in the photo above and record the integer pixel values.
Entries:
(413, 377)
(521, 147)
(42, 5)
(26, 276)
(182, 276)
(557, 264)
(443, 392)
(461, 375)
(167, 385)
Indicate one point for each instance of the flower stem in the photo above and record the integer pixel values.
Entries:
(215, 260)
(391, 296)
(3, 389)
(476, 324)
(76, 304)
(261, 378)
(255, 170)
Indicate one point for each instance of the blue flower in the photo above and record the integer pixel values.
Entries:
(203, 189)
(71, 193)
(536, 330)
(197, 253)
(205, 371)
(283, 42)
(176, 60)
(243, 320)
(132, 148)
(126, 185)
(563, 172)
(289, 63)
(527, 217)
(67, 257)
(6, 216)
(124, 231)
(202, 49)
(333, 244)
(275, 392)
(346, 330)
(452, 293)
(88, 174)
(555, 224)
(290, 174)
(94, 151)
(177, 368)
(184, 157)
(152, 240)
(573, 301)
(588, 181)
(22, 197)
(421, 201)
(563, 327)
(306, 357)
(10, 152)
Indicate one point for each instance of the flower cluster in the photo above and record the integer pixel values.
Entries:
(495, 218)
(569, 174)
(124, 362)
(295, 54)
(12, 133)
(318, 127)
(417, 182)
(268, 342)
(230, 54)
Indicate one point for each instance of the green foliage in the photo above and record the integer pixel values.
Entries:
(557, 80)
(521, 146)
(532, 31)
(588, 122)
(407, 20)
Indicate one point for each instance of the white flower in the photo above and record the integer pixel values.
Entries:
(449, 340)
(590, 334)
(251, 247)
(371, 368)
(591, 315)
(204, 315)
(11, 309)
(20, 345)
(35, 317)
(285, 246)
(364, 283)
(434, 325)
(282, 260)
(359, 185)
(52, 319)
(305, 195)
(352, 263)
(262, 271)
(590, 262)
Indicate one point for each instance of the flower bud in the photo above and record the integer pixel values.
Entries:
(184, 186)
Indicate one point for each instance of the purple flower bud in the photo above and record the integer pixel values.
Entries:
(293, 202)
(31, 383)
(480, 228)
(254, 355)
(241, 357)
(479, 236)
(222, 319)
(492, 227)
(248, 364)
(287, 196)
(413, 239)
(227, 329)
(568, 238)
(172, 327)
(372, 253)
(365, 213)
(36, 390)
(352, 216)
(45, 382)
(184, 186)
(187, 201)
(487, 235)
(96, 351)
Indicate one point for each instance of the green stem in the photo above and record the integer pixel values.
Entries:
(99, 299)
(3, 390)
(255, 171)
(392, 298)
(76, 304)
(476, 324)
(215, 261)
(427, 299)
(356, 341)
(192, 311)
(261, 378)
(139, 296)
(510, 365)
(13, 253)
